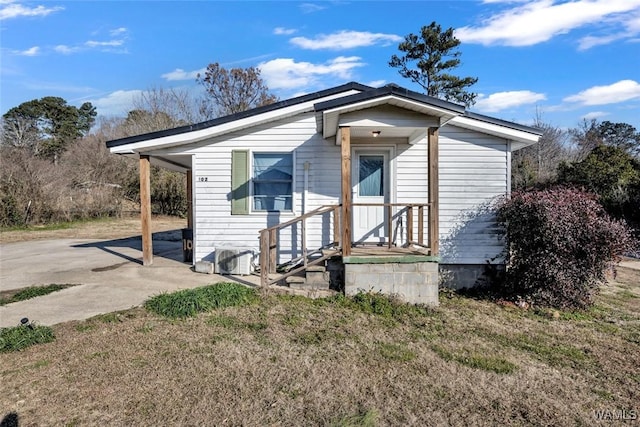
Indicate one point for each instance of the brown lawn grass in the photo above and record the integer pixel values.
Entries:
(293, 361)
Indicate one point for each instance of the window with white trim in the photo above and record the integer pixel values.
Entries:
(272, 182)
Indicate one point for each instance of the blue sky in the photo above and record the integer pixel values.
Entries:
(567, 60)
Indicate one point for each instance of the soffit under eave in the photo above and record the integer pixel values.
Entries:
(174, 163)
(329, 120)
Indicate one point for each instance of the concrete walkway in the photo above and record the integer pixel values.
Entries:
(109, 275)
(631, 263)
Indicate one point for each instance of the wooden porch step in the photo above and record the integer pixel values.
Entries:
(295, 281)
(315, 277)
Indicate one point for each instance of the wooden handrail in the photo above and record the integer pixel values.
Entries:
(407, 205)
(320, 210)
(269, 241)
(269, 236)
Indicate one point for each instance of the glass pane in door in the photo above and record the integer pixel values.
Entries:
(371, 176)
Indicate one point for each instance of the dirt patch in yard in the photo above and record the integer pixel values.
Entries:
(110, 228)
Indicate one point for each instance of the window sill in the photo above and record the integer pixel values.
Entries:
(267, 213)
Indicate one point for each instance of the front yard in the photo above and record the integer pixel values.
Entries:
(292, 361)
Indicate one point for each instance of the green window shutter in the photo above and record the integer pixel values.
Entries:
(240, 182)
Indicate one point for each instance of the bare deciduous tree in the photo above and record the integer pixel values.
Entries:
(19, 133)
(585, 137)
(232, 91)
(159, 109)
(538, 163)
(178, 104)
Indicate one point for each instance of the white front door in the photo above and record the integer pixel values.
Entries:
(370, 184)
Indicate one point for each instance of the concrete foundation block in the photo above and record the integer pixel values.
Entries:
(205, 267)
(317, 276)
(405, 267)
(415, 283)
(309, 286)
(377, 268)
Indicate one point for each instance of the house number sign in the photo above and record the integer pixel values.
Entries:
(203, 179)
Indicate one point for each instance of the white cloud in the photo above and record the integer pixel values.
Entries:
(109, 43)
(115, 45)
(538, 21)
(118, 32)
(591, 41)
(621, 91)
(251, 59)
(595, 115)
(632, 23)
(345, 40)
(180, 74)
(503, 100)
(49, 86)
(33, 51)
(631, 28)
(66, 50)
(376, 83)
(311, 7)
(119, 102)
(285, 73)
(281, 31)
(10, 10)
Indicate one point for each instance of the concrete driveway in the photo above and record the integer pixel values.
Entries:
(109, 274)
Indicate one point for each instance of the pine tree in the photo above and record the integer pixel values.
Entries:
(434, 53)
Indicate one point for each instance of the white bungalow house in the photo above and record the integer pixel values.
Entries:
(389, 185)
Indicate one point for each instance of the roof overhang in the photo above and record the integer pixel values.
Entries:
(213, 128)
(390, 111)
(397, 114)
(431, 116)
(174, 140)
(520, 136)
(176, 163)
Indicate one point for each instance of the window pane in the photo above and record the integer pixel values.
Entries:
(272, 181)
(272, 203)
(269, 166)
(371, 179)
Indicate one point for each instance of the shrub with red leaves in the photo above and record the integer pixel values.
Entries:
(561, 243)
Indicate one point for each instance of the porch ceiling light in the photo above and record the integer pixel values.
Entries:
(375, 133)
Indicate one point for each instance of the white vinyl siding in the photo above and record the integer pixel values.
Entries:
(473, 169)
(473, 173)
(412, 184)
(215, 226)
